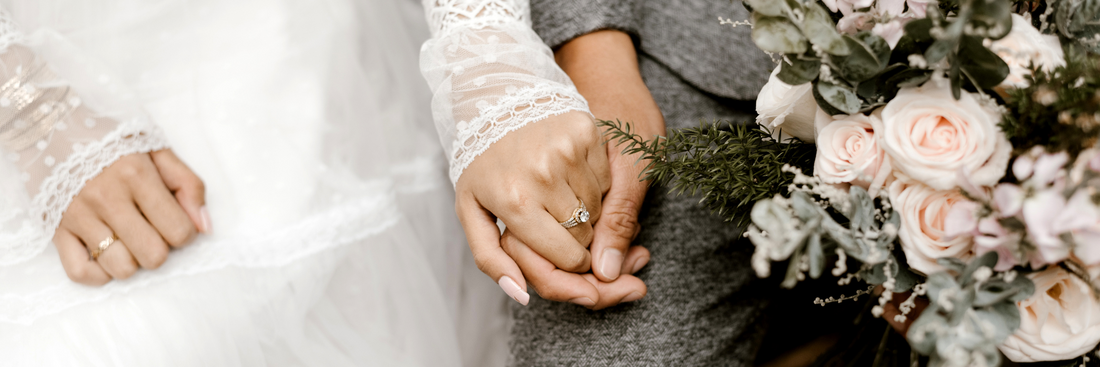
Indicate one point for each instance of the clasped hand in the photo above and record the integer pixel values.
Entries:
(532, 180)
(142, 205)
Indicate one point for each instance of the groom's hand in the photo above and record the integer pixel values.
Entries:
(604, 67)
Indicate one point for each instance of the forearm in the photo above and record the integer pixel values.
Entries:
(604, 67)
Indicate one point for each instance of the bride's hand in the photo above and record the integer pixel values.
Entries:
(583, 289)
(149, 202)
(532, 180)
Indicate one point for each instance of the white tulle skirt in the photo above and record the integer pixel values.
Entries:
(334, 239)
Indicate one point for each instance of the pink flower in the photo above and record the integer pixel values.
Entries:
(993, 237)
(919, 7)
(924, 212)
(1042, 212)
(847, 6)
(1009, 199)
(892, 30)
(846, 150)
(930, 136)
(855, 22)
(1061, 320)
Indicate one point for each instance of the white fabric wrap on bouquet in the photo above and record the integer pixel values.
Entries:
(334, 236)
(491, 74)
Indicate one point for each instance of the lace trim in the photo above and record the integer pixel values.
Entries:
(445, 15)
(337, 227)
(511, 112)
(68, 178)
(9, 33)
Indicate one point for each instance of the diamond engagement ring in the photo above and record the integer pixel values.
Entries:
(103, 245)
(580, 215)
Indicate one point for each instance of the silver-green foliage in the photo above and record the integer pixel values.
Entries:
(970, 314)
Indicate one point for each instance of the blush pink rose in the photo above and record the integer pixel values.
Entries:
(1060, 321)
(929, 136)
(924, 212)
(846, 149)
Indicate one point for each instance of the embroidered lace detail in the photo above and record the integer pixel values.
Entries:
(68, 178)
(491, 74)
(511, 112)
(445, 15)
(9, 33)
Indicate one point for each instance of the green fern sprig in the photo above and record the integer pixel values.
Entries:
(731, 166)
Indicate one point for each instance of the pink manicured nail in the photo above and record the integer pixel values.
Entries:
(639, 264)
(632, 297)
(207, 224)
(583, 301)
(611, 263)
(513, 290)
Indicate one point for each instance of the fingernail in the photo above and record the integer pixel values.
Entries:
(639, 264)
(611, 263)
(513, 290)
(583, 301)
(207, 224)
(632, 297)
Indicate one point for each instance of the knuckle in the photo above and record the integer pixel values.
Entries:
(179, 235)
(623, 223)
(79, 274)
(483, 263)
(157, 258)
(125, 270)
(574, 261)
(517, 199)
(130, 171)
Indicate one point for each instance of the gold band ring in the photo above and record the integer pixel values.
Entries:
(103, 245)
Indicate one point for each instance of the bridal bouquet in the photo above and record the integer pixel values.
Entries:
(954, 154)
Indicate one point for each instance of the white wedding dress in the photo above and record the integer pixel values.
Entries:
(334, 240)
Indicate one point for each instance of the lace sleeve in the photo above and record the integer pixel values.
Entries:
(490, 75)
(55, 138)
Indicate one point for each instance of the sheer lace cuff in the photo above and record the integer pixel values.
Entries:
(56, 141)
(490, 75)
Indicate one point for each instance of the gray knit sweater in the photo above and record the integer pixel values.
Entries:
(704, 305)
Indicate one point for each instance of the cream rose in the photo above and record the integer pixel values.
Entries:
(846, 149)
(1023, 46)
(787, 110)
(930, 136)
(1060, 321)
(923, 213)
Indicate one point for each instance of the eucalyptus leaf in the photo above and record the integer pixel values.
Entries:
(986, 67)
(769, 8)
(994, 16)
(819, 27)
(955, 76)
(988, 260)
(790, 279)
(951, 264)
(1025, 288)
(922, 334)
(905, 279)
(994, 292)
(798, 71)
(777, 34)
(865, 60)
(835, 99)
(817, 255)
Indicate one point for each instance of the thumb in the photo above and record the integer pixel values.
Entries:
(186, 186)
(617, 227)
